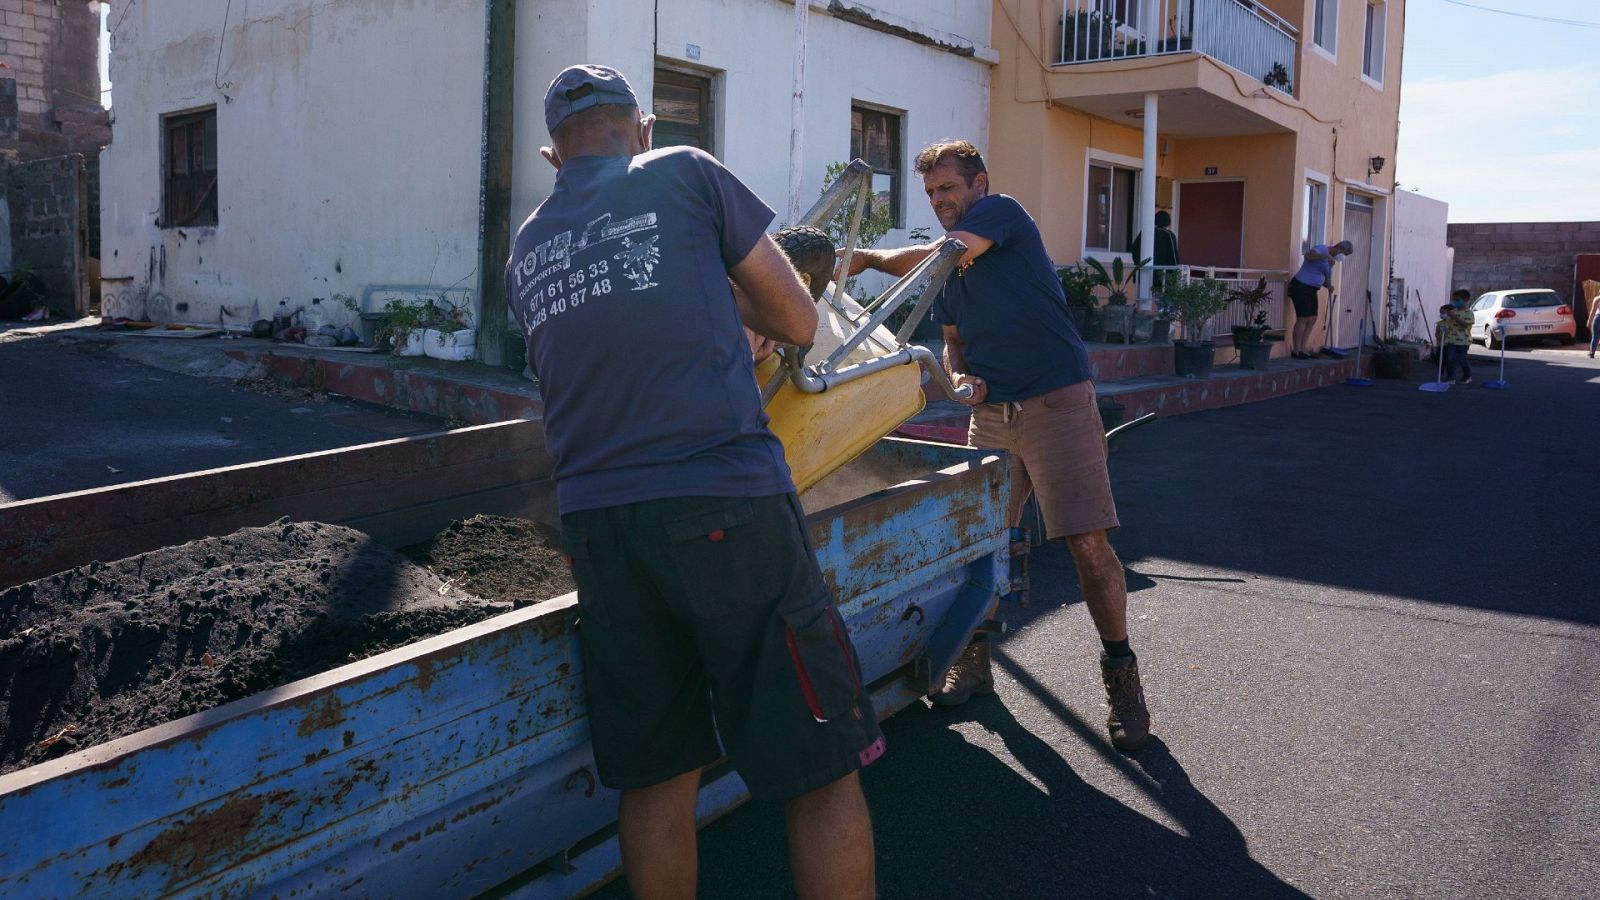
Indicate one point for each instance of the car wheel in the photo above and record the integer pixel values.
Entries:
(1488, 339)
(1566, 340)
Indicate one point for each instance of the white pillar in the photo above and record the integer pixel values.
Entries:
(797, 110)
(1147, 196)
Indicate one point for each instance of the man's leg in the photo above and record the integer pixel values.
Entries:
(830, 842)
(1104, 584)
(1105, 592)
(655, 828)
(1594, 335)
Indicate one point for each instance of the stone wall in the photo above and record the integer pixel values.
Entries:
(50, 228)
(1506, 255)
(52, 104)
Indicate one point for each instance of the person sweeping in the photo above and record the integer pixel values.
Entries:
(1455, 336)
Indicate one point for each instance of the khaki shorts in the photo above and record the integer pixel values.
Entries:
(1058, 449)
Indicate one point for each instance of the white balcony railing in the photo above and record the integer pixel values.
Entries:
(1241, 33)
(1238, 279)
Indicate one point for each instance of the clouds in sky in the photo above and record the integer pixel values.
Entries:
(1518, 145)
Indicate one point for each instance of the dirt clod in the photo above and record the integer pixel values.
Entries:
(498, 558)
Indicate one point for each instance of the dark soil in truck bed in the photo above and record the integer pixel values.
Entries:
(108, 649)
(498, 559)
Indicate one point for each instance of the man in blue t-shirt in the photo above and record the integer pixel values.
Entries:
(705, 621)
(1008, 334)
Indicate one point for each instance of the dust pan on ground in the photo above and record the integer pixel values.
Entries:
(1439, 385)
(1500, 384)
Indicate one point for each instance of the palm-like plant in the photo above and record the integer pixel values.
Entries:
(1252, 299)
(1117, 279)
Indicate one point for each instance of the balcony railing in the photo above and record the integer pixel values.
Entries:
(1240, 33)
(1237, 279)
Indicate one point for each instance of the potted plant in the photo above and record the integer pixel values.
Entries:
(450, 335)
(403, 326)
(1087, 35)
(1078, 284)
(1192, 305)
(1250, 340)
(1278, 77)
(1118, 315)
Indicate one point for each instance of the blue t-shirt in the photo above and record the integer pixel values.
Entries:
(1315, 272)
(619, 281)
(1009, 308)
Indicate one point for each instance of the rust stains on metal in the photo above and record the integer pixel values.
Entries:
(188, 848)
(425, 673)
(327, 714)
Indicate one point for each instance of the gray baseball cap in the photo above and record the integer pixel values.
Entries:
(578, 88)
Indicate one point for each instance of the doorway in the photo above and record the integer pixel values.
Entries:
(1211, 223)
(1355, 272)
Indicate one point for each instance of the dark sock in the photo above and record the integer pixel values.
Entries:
(1117, 649)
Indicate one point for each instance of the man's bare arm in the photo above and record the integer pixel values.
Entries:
(772, 300)
(899, 262)
(955, 362)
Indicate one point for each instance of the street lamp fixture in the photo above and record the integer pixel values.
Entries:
(1375, 165)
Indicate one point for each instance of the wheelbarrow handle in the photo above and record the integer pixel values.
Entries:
(1125, 426)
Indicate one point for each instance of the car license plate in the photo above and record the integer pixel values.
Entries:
(1538, 328)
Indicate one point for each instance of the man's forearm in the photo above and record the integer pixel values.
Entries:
(955, 358)
(895, 262)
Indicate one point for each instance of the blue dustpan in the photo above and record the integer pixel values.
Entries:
(1500, 384)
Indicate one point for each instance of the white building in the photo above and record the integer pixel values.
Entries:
(1422, 265)
(314, 148)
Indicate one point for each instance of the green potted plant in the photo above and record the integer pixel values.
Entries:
(1118, 280)
(1250, 340)
(403, 326)
(1078, 283)
(1278, 77)
(1192, 305)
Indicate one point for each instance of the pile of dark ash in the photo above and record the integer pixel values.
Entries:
(498, 558)
(105, 650)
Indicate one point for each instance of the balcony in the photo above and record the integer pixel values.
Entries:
(1240, 33)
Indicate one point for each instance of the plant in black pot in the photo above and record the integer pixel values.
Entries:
(1251, 340)
(1193, 304)
(1118, 281)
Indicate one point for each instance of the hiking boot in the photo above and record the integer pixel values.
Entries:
(970, 675)
(1129, 721)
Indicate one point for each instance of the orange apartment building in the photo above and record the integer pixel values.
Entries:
(1261, 125)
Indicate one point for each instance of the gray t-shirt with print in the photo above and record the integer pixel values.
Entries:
(619, 282)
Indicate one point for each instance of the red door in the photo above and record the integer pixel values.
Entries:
(1587, 269)
(1211, 223)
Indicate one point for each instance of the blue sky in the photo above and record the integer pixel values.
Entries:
(1498, 115)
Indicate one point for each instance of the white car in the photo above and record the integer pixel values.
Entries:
(1531, 313)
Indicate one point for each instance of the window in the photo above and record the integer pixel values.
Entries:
(1531, 301)
(875, 137)
(189, 164)
(1109, 222)
(682, 105)
(1325, 25)
(1372, 51)
(1313, 230)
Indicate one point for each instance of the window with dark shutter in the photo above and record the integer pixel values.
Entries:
(682, 106)
(875, 137)
(189, 164)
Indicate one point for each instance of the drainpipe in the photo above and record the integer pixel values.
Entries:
(797, 97)
(1147, 199)
(494, 191)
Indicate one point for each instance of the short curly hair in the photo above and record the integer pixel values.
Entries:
(968, 161)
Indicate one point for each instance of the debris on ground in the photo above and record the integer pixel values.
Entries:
(268, 386)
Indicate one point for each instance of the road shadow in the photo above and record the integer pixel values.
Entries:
(953, 819)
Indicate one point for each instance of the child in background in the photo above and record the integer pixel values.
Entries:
(1455, 336)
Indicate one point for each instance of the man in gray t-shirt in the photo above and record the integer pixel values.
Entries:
(705, 621)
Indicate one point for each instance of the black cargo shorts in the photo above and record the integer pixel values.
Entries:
(708, 616)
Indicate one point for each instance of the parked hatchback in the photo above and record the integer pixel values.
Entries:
(1522, 314)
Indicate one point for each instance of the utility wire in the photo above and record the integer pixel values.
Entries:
(1575, 23)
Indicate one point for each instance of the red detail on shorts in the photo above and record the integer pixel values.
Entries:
(873, 753)
(844, 652)
(716, 535)
(569, 562)
(806, 687)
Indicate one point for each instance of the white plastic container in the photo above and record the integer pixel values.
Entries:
(455, 346)
(314, 318)
(412, 345)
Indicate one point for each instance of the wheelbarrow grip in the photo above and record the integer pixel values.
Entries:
(1125, 426)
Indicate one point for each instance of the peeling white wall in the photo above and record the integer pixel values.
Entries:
(748, 48)
(348, 142)
(1421, 257)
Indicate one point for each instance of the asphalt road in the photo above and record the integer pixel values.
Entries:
(1369, 626)
(74, 414)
